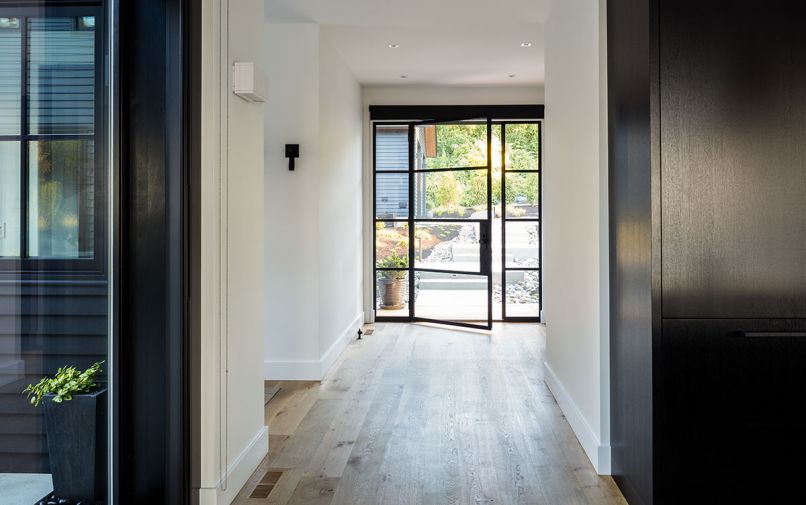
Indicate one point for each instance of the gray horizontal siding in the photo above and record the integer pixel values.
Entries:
(61, 77)
(10, 62)
(46, 326)
(391, 149)
(391, 195)
(391, 190)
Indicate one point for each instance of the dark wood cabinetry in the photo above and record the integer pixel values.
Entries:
(707, 111)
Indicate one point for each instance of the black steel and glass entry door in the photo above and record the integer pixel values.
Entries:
(433, 222)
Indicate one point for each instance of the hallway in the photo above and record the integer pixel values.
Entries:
(417, 414)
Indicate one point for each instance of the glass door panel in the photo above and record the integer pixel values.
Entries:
(451, 190)
(523, 244)
(522, 195)
(451, 194)
(517, 285)
(522, 293)
(451, 297)
(440, 146)
(56, 236)
(448, 245)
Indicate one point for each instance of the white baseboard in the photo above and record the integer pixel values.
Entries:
(313, 370)
(238, 472)
(598, 454)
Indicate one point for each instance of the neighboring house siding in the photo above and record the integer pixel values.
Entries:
(392, 190)
(44, 325)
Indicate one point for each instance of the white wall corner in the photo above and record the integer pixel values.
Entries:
(238, 472)
(331, 355)
(598, 454)
(292, 370)
(313, 370)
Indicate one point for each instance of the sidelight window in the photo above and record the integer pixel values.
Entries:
(50, 182)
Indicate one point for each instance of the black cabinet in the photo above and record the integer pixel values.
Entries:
(707, 111)
(730, 411)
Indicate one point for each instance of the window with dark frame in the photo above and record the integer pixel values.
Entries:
(51, 198)
(517, 168)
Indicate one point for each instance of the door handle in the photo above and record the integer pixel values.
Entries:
(771, 334)
(486, 248)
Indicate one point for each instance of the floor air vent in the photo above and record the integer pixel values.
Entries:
(266, 484)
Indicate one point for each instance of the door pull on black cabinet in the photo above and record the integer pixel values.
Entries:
(772, 334)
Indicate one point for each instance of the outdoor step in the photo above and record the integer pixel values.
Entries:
(457, 284)
(515, 276)
(475, 247)
(466, 258)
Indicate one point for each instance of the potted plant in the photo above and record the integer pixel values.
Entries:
(75, 422)
(391, 282)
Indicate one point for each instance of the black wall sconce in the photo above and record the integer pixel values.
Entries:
(291, 152)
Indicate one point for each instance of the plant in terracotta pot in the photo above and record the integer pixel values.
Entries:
(391, 282)
(75, 422)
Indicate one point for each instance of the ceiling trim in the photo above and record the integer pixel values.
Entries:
(454, 112)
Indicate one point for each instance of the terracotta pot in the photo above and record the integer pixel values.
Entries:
(392, 294)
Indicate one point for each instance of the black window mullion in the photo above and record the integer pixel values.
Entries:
(412, 210)
(504, 221)
(25, 262)
(24, 211)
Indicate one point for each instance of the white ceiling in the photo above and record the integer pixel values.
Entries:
(442, 42)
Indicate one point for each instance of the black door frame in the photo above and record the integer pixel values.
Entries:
(497, 115)
(156, 383)
(504, 220)
(485, 227)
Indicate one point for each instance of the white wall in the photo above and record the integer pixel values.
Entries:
(233, 437)
(340, 210)
(313, 214)
(575, 268)
(424, 95)
(292, 198)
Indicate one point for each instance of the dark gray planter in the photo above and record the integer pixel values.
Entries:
(77, 444)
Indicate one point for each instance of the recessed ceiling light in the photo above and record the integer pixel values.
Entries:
(511, 76)
(526, 44)
(404, 77)
(394, 46)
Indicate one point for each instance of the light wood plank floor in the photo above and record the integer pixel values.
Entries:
(418, 414)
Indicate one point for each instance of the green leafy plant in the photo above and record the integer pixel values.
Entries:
(67, 382)
(393, 261)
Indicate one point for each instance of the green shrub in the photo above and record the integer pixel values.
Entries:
(67, 382)
(392, 261)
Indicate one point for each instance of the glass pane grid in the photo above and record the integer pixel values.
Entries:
(392, 293)
(451, 297)
(61, 76)
(522, 296)
(391, 148)
(450, 145)
(10, 200)
(47, 196)
(451, 194)
(448, 246)
(522, 190)
(391, 245)
(522, 146)
(61, 199)
(391, 195)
